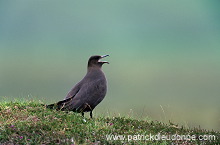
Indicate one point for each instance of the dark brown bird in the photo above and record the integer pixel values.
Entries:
(89, 92)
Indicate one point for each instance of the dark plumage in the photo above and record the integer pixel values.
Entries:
(89, 92)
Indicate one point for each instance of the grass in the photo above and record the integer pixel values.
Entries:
(31, 123)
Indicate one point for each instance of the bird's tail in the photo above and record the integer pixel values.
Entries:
(59, 105)
(51, 106)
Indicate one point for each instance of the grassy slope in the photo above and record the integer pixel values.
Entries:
(31, 123)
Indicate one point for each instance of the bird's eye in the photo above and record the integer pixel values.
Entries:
(97, 58)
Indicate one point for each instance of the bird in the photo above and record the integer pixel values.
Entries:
(88, 92)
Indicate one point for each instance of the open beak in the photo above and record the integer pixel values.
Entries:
(103, 56)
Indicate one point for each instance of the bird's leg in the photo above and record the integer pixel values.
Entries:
(82, 114)
(90, 114)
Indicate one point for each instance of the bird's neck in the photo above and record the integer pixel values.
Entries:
(93, 69)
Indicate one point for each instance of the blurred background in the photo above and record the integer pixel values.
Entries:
(164, 55)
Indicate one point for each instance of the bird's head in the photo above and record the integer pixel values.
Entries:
(95, 61)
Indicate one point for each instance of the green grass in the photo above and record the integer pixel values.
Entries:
(31, 123)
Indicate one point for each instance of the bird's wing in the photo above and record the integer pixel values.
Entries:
(86, 94)
(75, 99)
(72, 93)
(68, 103)
(89, 94)
(64, 103)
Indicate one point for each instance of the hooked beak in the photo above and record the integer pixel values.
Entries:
(103, 56)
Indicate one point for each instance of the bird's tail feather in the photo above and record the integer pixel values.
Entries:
(51, 106)
(59, 105)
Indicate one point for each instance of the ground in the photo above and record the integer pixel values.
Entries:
(31, 123)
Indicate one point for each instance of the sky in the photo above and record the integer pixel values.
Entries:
(164, 55)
